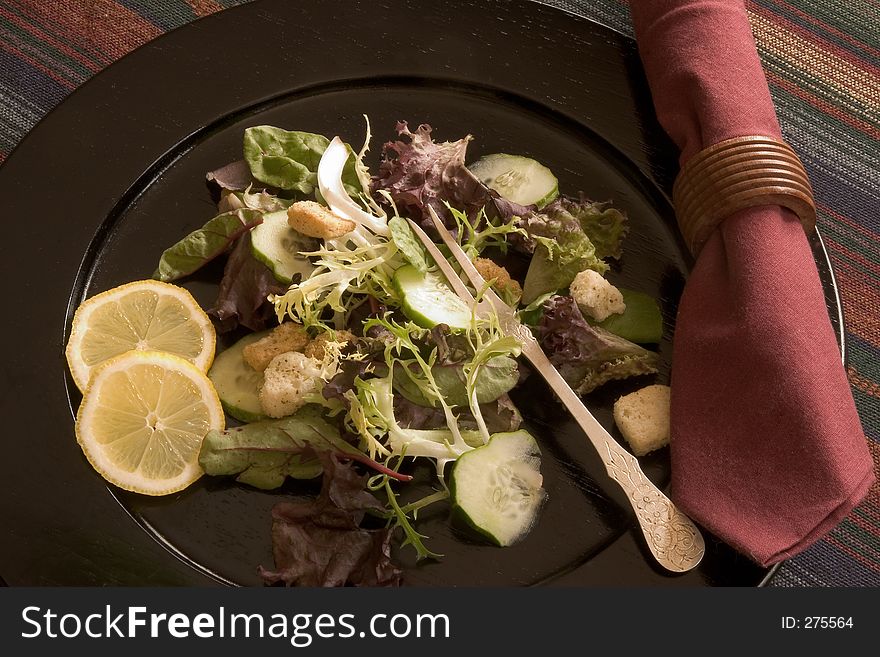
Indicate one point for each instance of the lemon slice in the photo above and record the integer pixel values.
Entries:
(144, 315)
(143, 418)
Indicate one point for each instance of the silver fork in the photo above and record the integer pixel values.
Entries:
(671, 536)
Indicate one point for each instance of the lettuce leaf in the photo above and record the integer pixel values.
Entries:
(244, 291)
(363, 359)
(562, 250)
(263, 454)
(418, 174)
(321, 542)
(565, 238)
(408, 244)
(588, 356)
(288, 159)
(641, 322)
(203, 245)
(499, 415)
(452, 348)
(235, 176)
(498, 376)
(410, 415)
(604, 225)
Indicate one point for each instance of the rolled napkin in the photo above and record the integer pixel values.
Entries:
(767, 449)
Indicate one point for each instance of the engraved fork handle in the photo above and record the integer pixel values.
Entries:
(671, 536)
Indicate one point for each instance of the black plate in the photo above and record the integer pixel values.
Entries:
(115, 174)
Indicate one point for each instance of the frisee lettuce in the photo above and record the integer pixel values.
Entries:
(478, 235)
(399, 516)
(358, 264)
(341, 277)
(371, 401)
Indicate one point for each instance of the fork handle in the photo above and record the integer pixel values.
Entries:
(671, 536)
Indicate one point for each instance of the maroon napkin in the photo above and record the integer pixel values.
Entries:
(767, 449)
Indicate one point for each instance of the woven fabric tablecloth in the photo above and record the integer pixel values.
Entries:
(822, 59)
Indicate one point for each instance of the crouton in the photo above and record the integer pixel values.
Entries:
(506, 287)
(643, 418)
(315, 348)
(287, 382)
(289, 336)
(314, 220)
(595, 296)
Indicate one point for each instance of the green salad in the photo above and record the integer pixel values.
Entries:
(349, 357)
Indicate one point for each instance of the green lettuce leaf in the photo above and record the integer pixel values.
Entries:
(262, 454)
(203, 245)
(604, 225)
(288, 160)
(497, 376)
(562, 251)
(408, 244)
(531, 314)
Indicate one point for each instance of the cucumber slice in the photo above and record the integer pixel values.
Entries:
(237, 383)
(496, 488)
(428, 301)
(518, 179)
(641, 322)
(277, 245)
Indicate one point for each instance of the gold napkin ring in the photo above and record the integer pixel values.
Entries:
(735, 174)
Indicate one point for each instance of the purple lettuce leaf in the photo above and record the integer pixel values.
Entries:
(588, 356)
(321, 542)
(369, 363)
(235, 176)
(410, 415)
(499, 415)
(244, 288)
(419, 174)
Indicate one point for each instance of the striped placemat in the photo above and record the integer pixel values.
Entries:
(822, 60)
